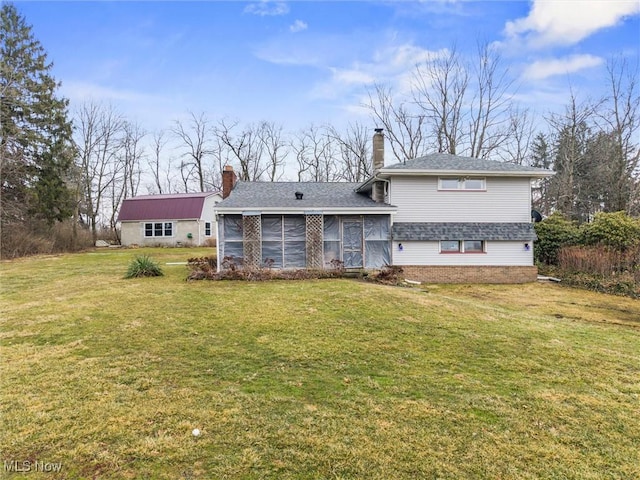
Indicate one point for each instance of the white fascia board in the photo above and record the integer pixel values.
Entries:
(480, 173)
(301, 211)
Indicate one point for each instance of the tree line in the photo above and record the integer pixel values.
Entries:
(75, 166)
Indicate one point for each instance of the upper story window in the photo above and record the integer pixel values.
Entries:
(462, 183)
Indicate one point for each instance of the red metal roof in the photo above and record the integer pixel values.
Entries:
(177, 206)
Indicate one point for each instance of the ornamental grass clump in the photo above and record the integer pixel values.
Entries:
(143, 266)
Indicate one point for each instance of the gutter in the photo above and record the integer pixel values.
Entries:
(304, 210)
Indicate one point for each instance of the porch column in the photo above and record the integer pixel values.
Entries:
(251, 239)
(314, 240)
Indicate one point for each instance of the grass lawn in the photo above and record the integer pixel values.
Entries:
(310, 379)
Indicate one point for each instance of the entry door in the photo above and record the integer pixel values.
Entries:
(352, 243)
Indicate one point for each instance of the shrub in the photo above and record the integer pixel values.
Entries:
(596, 260)
(554, 232)
(143, 266)
(389, 275)
(616, 230)
(19, 240)
(233, 269)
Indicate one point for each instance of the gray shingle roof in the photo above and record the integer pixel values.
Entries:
(448, 162)
(462, 231)
(315, 195)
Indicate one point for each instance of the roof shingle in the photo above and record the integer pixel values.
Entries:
(163, 207)
(315, 195)
(447, 162)
(462, 231)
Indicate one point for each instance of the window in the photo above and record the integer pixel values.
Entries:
(474, 184)
(473, 246)
(462, 246)
(462, 183)
(207, 229)
(449, 184)
(448, 246)
(284, 240)
(158, 229)
(232, 233)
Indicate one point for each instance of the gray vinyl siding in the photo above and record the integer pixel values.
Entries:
(418, 200)
(497, 253)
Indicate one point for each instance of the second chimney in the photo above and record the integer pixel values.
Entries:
(228, 180)
(378, 150)
(377, 193)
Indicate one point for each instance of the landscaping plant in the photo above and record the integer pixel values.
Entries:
(143, 266)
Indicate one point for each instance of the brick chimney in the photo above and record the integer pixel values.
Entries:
(228, 180)
(378, 150)
(377, 192)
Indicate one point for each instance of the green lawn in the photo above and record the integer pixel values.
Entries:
(310, 379)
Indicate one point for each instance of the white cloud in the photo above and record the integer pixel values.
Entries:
(298, 26)
(82, 91)
(267, 8)
(568, 22)
(542, 69)
(351, 76)
(393, 65)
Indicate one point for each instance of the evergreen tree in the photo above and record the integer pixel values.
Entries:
(541, 158)
(36, 151)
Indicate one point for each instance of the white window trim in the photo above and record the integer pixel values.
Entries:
(462, 184)
(210, 229)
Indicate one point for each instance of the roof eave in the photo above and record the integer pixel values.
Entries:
(157, 219)
(386, 173)
(388, 209)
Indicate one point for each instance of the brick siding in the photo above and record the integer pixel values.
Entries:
(470, 274)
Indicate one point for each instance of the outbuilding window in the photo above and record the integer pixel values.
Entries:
(207, 229)
(158, 229)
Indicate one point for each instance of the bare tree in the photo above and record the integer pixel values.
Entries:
(132, 153)
(127, 170)
(274, 148)
(517, 145)
(404, 128)
(242, 146)
(571, 132)
(355, 152)
(620, 119)
(98, 140)
(439, 90)
(161, 173)
(489, 113)
(196, 138)
(315, 154)
(455, 107)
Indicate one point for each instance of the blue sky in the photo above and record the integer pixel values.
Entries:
(302, 62)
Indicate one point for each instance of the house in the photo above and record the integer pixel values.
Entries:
(169, 220)
(442, 218)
